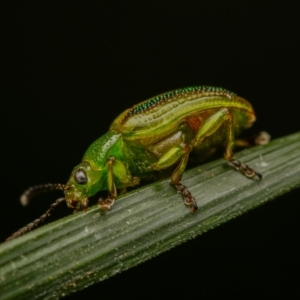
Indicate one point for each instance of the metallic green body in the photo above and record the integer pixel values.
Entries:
(156, 135)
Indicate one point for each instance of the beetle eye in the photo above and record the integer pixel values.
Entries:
(80, 177)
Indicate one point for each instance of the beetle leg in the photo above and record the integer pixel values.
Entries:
(118, 169)
(243, 168)
(211, 125)
(260, 139)
(107, 203)
(168, 159)
(189, 200)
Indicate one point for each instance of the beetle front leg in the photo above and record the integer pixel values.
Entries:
(107, 203)
(116, 168)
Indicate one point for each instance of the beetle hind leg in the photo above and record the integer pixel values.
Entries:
(224, 117)
(243, 168)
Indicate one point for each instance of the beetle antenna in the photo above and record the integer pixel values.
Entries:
(36, 222)
(37, 189)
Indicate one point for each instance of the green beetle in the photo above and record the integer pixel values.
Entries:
(155, 136)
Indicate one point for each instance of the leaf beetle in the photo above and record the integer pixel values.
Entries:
(156, 135)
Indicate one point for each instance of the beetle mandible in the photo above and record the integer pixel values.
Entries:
(154, 135)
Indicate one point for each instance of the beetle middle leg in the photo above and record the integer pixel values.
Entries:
(178, 153)
(189, 200)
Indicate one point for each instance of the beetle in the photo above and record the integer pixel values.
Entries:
(154, 136)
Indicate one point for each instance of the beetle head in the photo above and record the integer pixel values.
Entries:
(84, 182)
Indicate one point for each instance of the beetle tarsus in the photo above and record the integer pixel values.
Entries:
(245, 169)
(263, 138)
(189, 200)
(107, 203)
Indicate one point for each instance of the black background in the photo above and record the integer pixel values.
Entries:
(71, 68)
